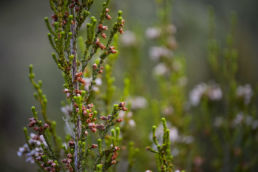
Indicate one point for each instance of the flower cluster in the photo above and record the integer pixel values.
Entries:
(212, 91)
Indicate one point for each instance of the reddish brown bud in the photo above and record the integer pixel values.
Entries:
(32, 122)
(104, 118)
(64, 22)
(100, 126)
(78, 74)
(92, 125)
(77, 8)
(69, 160)
(36, 128)
(117, 148)
(112, 50)
(122, 104)
(99, 44)
(93, 146)
(113, 162)
(124, 109)
(94, 66)
(104, 35)
(102, 46)
(46, 126)
(108, 17)
(78, 91)
(102, 27)
(69, 155)
(71, 6)
(123, 22)
(94, 130)
(114, 156)
(81, 81)
(121, 31)
(53, 164)
(50, 161)
(119, 120)
(71, 143)
(54, 17)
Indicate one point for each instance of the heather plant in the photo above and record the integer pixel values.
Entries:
(165, 96)
(169, 73)
(227, 140)
(93, 138)
(162, 146)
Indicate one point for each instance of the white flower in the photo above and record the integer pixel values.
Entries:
(42, 139)
(22, 150)
(98, 81)
(36, 152)
(212, 91)
(196, 94)
(174, 136)
(30, 159)
(160, 69)
(129, 114)
(128, 38)
(127, 118)
(138, 102)
(153, 32)
(88, 81)
(67, 110)
(157, 52)
(131, 123)
(238, 119)
(245, 92)
(121, 114)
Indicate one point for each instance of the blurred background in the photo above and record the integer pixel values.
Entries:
(23, 41)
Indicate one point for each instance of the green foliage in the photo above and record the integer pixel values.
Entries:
(163, 153)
